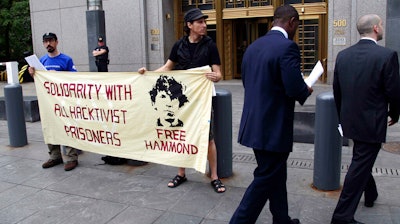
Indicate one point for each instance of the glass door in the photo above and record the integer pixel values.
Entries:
(245, 32)
(308, 41)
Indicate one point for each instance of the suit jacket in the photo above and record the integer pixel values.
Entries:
(366, 88)
(272, 82)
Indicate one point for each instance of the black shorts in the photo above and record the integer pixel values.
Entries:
(211, 134)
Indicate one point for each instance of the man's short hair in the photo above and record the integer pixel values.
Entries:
(285, 12)
(366, 23)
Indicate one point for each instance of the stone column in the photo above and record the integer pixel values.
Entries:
(392, 23)
(96, 26)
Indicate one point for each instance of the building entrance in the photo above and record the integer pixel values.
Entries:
(308, 40)
(245, 31)
(308, 37)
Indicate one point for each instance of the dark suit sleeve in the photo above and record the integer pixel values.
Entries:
(295, 86)
(337, 94)
(392, 84)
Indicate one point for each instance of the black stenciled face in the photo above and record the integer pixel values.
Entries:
(167, 98)
(166, 106)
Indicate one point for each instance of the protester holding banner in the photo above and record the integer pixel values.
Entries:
(55, 60)
(196, 49)
(272, 84)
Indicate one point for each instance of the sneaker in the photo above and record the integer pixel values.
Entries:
(51, 163)
(70, 165)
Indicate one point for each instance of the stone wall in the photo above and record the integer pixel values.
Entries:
(392, 24)
(137, 31)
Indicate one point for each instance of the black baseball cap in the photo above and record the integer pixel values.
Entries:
(193, 15)
(100, 39)
(49, 36)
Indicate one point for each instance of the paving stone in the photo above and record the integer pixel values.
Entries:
(171, 218)
(137, 215)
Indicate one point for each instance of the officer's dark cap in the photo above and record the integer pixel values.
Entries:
(100, 39)
(193, 15)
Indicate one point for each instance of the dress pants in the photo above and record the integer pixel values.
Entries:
(269, 184)
(68, 153)
(358, 180)
(370, 191)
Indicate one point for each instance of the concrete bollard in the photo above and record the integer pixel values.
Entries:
(222, 105)
(15, 115)
(327, 143)
(14, 104)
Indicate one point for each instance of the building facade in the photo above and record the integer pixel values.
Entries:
(141, 33)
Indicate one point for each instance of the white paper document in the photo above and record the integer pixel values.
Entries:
(33, 61)
(205, 68)
(340, 130)
(315, 74)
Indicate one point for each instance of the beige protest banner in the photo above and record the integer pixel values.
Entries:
(159, 117)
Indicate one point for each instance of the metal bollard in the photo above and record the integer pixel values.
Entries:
(15, 115)
(222, 105)
(15, 107)
(327, 143)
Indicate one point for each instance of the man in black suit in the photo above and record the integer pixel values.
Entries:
(366, 88)
(273, 83)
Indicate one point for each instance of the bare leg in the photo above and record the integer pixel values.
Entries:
(212, 159)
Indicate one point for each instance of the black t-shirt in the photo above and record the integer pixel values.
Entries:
(213, 58)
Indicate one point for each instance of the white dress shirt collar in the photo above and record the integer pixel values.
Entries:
(281, 30)
(369, 38)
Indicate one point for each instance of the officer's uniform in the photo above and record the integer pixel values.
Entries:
(102, 60)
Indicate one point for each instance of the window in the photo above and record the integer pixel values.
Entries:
(308, 44)
(259, 2)
(234, 4)
(246, 3)
(301, 1)
(201, 4)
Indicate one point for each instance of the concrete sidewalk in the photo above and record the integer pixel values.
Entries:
(97, 193)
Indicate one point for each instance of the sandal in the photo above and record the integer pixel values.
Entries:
(178, 180)
(218, 186)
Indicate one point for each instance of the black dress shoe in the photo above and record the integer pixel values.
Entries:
(370, 203)
(294, 221)
(345, 222)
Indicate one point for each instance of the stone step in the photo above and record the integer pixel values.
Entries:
(31, 109)
(304, 125)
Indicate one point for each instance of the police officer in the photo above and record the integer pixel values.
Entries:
(101, 55)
